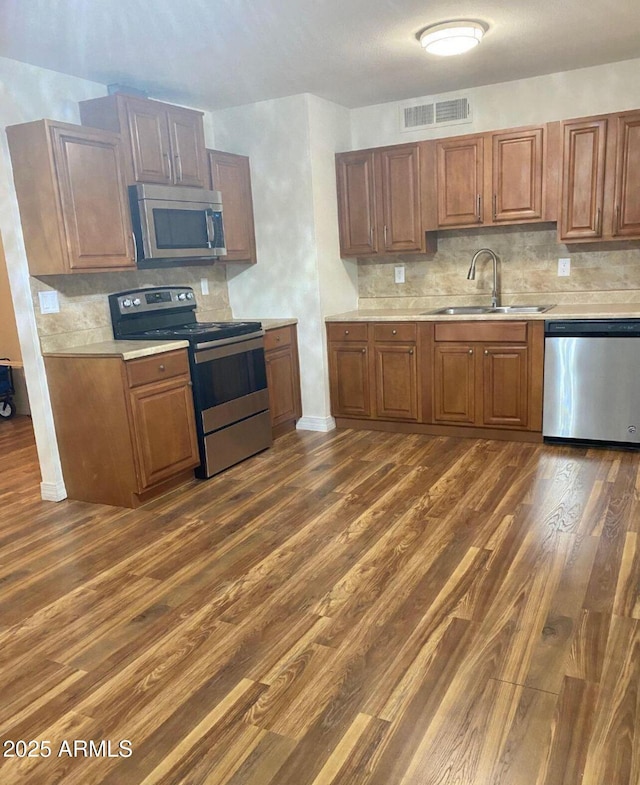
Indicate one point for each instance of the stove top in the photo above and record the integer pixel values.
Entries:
(200, 331)
(168, 312)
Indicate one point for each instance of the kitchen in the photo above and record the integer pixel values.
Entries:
(291, 141)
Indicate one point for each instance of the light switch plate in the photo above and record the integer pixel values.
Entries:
(564, 267)
(204, 285)
(399, 273)
(49, 302)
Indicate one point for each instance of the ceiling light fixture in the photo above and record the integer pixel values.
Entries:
(451, 38)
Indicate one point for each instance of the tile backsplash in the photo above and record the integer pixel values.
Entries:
(84, 308)
(528, 271)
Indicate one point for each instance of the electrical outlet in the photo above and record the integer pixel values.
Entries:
(564, 267)
(399, 273)
(49, 302)
(204, 285)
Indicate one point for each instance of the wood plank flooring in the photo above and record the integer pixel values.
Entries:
(352, 608)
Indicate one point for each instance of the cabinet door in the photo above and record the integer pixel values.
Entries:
(460, 181)
(505, 386)
(349, 379)
(454, 384)
(188, 157)
(401, 204)
(283, 384)
(164, 431)
(517, 176)
(149, 135)
(356, 203)
(92, 198)
(583, 180)
(231, 176)
(396, 373)
(627, 188)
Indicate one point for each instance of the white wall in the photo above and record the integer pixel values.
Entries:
(30, 93)
(585, 91)
(291, 144)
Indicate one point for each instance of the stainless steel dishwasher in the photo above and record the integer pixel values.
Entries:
(592, 381)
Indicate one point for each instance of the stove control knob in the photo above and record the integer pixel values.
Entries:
(137, 301)
(127, 303)
(182, 296)
(189, 295)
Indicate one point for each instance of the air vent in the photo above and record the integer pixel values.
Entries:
(414, 117)
(418, 116)
(454, 111)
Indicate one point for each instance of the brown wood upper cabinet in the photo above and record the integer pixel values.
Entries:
(380, 201)
(507, 177)
(460, 181)
(162, 143)
(230, 174)
(72, 198)
(601, 178)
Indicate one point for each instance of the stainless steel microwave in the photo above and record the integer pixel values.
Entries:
(176, 225)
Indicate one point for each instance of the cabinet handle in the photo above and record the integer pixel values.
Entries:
(394, 332)
(189, 384)
(486, 351)
(385, 235)
(616, 228)
(178, 167)
(364, 351)
(135, 246)
(162, 368)
(371, 237)
(495, 206)
(410, 351)
(278, 339)
(167, 166)
(470, 351)
(599, 221)
(346, 332)
(479, 207)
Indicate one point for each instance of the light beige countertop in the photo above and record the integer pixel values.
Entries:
(574, 311)
(128, 350)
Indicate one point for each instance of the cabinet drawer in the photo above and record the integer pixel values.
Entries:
(481, 331)
(348, 331)
(157, 368)
(276, 339)
(394, 331)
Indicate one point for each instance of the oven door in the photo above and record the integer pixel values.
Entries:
(170, 229)
(230, 381)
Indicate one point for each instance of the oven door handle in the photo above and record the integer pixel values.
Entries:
(211, 229)
(237, 346)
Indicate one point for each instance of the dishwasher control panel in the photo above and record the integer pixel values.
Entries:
(593, 328)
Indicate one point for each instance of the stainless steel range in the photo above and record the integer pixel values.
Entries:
(227, 370)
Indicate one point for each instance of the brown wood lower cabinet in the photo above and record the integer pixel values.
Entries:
(283, 378)
(480, 377)
(126, 430)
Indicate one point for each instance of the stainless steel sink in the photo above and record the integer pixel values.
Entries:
(468, 310)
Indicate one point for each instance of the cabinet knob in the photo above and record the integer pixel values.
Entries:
(486, 351)
(394, 332)
(162, 368)
(470, 351)
(277, 339)
(346, 332)
(364, 351)
(410, 351)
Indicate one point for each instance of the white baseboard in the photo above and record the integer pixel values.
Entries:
(53, 491)
(323, 424)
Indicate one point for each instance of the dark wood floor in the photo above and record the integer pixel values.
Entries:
(347, 608)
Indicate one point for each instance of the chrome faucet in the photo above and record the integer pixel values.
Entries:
(471, 275)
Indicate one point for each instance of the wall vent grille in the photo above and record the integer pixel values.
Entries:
(414, 117)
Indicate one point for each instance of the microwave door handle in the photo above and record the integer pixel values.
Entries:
(211, 230)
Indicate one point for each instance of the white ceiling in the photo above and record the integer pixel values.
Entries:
(218, 53)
